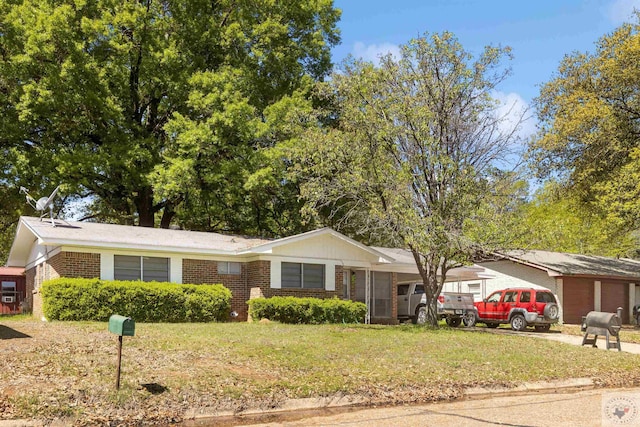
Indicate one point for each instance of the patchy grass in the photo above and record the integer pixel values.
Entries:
(68, 369)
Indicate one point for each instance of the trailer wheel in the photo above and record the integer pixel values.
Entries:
(454, 322)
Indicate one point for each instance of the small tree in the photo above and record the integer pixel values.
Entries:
(412, 154)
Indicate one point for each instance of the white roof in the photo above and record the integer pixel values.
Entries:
(98, 235)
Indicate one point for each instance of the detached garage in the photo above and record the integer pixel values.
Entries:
(583, 283)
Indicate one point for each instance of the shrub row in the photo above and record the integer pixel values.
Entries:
(94, 299)
(307, 310)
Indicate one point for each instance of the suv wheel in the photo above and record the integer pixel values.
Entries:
(518, 322)
(551, 311)
(469, 319)
(421, 315)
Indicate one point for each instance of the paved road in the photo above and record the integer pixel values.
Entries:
(584, 408)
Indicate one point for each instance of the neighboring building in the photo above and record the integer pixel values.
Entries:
(582, 283)
(321, 263)
(12, 290)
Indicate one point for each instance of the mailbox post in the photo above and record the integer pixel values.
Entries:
(121, 326)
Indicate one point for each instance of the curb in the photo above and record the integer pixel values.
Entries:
(291, 405)
(345, 402)
(556, 386)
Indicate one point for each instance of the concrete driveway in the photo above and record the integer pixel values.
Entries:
(565, 338)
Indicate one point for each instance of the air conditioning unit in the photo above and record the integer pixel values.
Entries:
(8, 300)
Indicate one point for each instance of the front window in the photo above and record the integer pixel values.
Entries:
(495, 297)
(306, 276)
(147, 269)
(225, 267)
(419, 289)
(525, 296)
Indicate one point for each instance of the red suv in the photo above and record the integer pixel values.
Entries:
(521, 307)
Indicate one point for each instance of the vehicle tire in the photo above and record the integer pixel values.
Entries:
(492, 325)
(518, 322)
(421, 315)
(454, 322)
(469, 319)
(551, 311)
(543, 328)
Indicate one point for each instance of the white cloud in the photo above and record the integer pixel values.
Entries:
(622, 10)
(516, 113)
(373, 52)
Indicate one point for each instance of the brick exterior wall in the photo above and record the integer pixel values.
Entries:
(394, 296)
(253, 281)
(74, 264)
(206, 272)
(63, 264)
(258, 277)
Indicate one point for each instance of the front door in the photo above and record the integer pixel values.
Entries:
(488, 308)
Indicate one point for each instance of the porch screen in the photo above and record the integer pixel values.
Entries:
(381, 295)
(147, 269)
(306, 276)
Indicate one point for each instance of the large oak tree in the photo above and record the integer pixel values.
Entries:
(157, 110)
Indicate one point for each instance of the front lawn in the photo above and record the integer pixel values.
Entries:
(59, 368)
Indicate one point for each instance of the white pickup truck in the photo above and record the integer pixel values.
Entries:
(454, 307)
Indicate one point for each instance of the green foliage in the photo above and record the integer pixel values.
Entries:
(307, 310)
(416, 142)
(589, 128)
(561, 222)
(159, 110)
(94, 299)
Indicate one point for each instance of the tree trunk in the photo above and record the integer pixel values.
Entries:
(167, 215)
(432, 291)
(428, 269)
(144, 206)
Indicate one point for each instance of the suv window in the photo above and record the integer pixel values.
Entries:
(545, 297)
(419, 289)
(525, 296)
(494, 297)
(403, 289)
(510, 296)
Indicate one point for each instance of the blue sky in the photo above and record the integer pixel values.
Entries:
(540, 32)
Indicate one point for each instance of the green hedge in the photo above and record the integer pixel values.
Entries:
(307, 310)
(94, 299)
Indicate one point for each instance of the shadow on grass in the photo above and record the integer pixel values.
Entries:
(7, 333)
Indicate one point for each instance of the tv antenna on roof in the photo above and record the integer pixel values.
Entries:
(42, 203)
